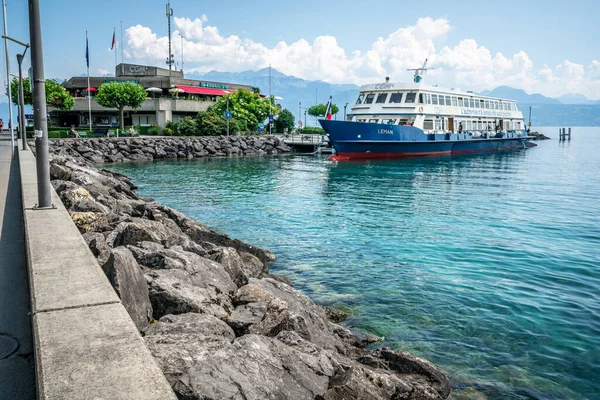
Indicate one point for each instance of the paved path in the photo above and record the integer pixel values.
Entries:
(17, 374)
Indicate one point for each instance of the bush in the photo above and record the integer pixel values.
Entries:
(155, 131)
(311, 130)
(171, 128)
(188, 126)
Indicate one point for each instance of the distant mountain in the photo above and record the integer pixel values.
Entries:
(562, 114)
(576, 98)
(519, 95)
(293, 90)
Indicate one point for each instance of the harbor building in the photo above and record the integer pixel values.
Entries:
(170, 97)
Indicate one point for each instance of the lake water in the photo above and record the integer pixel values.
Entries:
(486, 265)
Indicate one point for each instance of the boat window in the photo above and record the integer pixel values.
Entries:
(442, 101)
(410, 97)
(481, 103)
(381, 98)
(454, 104)
(370, 98)
(422, 98)
(476, 103)
(388, 121)
(360, 120)
(360, 99)
(487, 104)
(497, 105)
(448, 101)
(428, 99)
(428, 124)
(434, 99)
(438, 124)
(373, 121)
(514, 107)
(472, 102)
(396, 98)
(460, 102)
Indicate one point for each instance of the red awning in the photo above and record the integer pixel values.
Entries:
(203, 90)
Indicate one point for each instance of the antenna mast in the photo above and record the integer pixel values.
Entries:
(169, 15)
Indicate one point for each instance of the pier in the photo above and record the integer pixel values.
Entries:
(563, 135)
(308, 143)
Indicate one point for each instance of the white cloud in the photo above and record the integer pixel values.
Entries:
(103, 72)
(468, 64)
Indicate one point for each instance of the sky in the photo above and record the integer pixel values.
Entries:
(548, 47)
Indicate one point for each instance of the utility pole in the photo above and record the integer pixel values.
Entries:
(227, 115)
(300, 111)
(40, 120)
(11, 121)
(169, 15)
(345, 105)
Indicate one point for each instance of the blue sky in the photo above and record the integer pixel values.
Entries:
(546, 46)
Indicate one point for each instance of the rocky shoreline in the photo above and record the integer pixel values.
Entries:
(218, 323)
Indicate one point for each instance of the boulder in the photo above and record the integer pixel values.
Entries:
(245, 316)
(72, 196)
(229, 258)
(89, 221)
(98, 246)
(86, 204)
(59, 172)
(127, 279)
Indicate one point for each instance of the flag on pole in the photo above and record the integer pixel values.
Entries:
(328, 111)
(112, 46)
(87, 50)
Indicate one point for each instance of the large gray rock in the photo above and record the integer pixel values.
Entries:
(128, 281)
(189, 283)
(229, 258)
(98, 246)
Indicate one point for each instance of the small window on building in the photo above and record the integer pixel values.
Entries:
(454, 103)
(410, 97)
(428, 124)
(396, 98)
(381, 98)
(434, 99)
(370, 98)
(360, 99)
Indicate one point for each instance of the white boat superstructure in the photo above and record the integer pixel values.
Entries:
(434, 109)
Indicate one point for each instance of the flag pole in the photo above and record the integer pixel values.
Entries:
(122, 70)
(115, 48)
(87, 61)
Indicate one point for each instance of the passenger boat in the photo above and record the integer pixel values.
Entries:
(414, 119)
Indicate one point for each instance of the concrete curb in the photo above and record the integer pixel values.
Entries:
(86, 345)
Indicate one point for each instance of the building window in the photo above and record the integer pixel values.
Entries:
(370, 98)
(410, 97)
(396, 98)
(381, 98)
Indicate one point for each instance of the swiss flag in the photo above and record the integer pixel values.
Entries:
(328, 111)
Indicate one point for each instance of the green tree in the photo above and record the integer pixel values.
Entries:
(284, 120)
(56, 95)
(120, 95)
(247, 109)
(255, 89)
(319, 110)
(213, 123)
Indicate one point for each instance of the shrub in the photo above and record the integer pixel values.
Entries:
(155, 131)
(188, 126)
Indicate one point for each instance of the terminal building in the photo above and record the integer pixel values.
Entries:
(170, 98)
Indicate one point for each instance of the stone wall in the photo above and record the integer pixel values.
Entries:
(149, 148)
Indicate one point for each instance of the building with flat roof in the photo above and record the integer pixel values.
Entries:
(170, 97)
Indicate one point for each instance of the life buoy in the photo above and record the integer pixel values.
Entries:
(421, 110)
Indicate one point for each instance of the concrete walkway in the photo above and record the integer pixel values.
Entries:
(17, 373)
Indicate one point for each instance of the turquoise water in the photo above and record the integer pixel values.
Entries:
(487, 265)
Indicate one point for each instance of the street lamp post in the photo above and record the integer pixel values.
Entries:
(305, 117)
(10, 107)
(40, 119)
(345, 105)
(227, 115)
(22, 101)
(300, 111)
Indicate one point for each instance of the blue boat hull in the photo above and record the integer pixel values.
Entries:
(365, 140)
